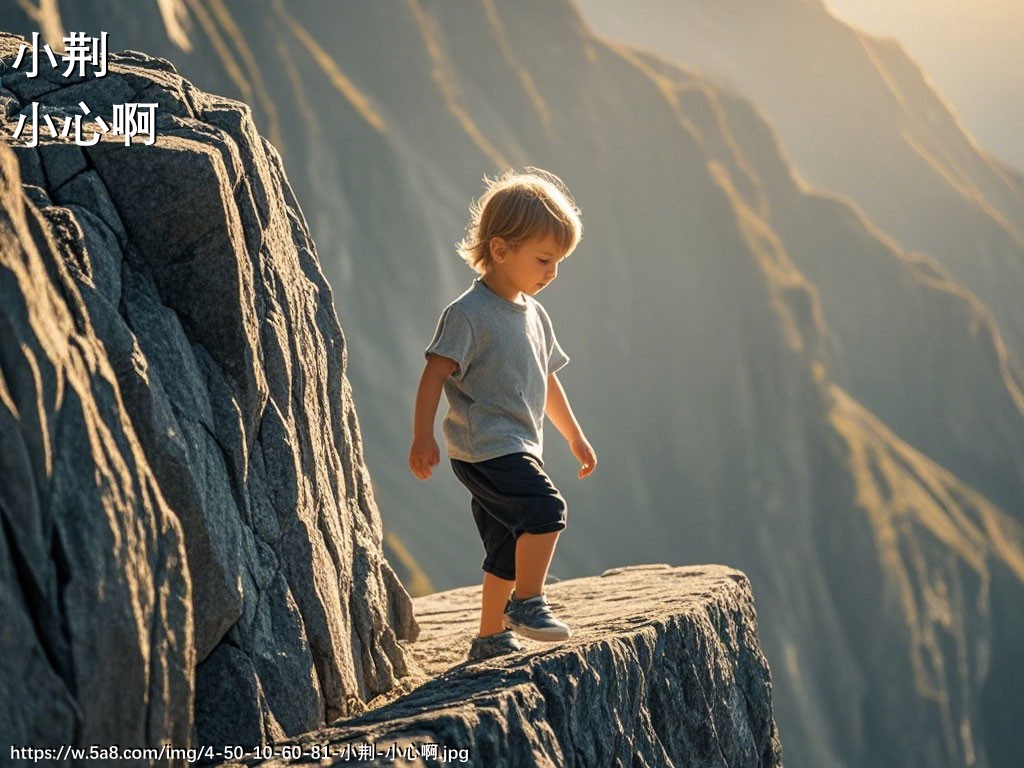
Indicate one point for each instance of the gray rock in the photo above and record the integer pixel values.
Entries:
(186, 512)
(96, 644)
(664, 669)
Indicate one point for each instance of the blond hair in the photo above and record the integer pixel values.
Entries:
(516, 207)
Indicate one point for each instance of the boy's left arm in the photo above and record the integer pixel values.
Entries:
(561, 415)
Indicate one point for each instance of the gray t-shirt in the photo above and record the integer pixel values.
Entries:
(504, 352)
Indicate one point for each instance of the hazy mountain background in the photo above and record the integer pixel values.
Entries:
(971, 51)
(794, 317)
(859, 118)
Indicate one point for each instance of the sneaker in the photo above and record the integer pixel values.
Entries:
(532, 618)
(493, 645)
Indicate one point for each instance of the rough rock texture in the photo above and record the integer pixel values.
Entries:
(96, 632)
(185, 507)
(664, 669)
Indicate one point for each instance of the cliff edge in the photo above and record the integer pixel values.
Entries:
(664, 669)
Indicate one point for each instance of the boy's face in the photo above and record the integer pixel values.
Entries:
(529, 267)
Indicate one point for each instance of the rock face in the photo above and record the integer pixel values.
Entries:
(186, 512)
(96, 634)
(664, 669)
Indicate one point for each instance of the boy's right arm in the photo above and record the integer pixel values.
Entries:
(425, 454)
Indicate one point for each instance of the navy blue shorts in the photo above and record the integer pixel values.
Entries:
(512, 495)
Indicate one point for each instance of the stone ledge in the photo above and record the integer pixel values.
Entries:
(665, 668)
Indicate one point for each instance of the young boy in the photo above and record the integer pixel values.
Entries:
(495, 356)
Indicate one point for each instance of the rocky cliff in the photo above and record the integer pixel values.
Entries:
(187, 520)
(188, 525)
(664, 669)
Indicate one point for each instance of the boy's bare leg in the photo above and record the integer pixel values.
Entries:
(533, 558)
(492, 607)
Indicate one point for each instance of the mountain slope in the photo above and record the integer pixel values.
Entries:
(859, 118)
